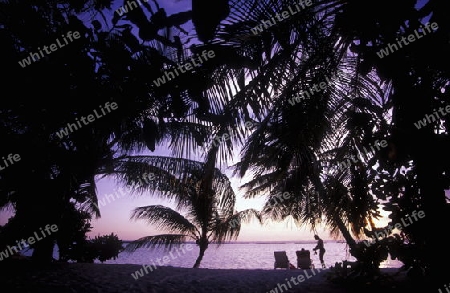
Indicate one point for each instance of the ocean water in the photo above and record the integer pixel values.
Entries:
(239, 255)
(234, 255)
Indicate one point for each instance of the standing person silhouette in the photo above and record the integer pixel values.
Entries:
(321, 249)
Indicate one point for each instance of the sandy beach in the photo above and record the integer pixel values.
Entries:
(22, 276)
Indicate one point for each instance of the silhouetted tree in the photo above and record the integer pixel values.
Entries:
(203, 217)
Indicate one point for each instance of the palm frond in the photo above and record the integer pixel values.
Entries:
(163, 240)
(87, 195)
(228, 228)
(164, 218)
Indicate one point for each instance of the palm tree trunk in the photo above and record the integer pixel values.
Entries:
(200, 257)
(347, 236)
(203, 244)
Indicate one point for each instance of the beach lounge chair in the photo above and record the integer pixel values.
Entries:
(304, 260)
(350, 267)
(281, 260)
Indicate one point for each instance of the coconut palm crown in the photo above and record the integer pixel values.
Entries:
(204, 218)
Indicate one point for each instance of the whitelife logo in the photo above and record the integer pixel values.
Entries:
(422, 123)
(170, 75)
(315, 87)
(128, 7)
(378, 144)
(228, 135)
(11, 158)
(30, 241)
(180, 251)
(280, 17)
(300, 278)
(37, 56)
(411, 38)
(110, 197)
(65, 131)
(398, 226)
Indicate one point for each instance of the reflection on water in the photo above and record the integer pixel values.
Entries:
(243, 256)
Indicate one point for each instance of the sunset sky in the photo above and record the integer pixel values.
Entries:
(116, 214)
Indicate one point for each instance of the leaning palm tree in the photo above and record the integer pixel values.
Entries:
(199, 216)
(296, 140)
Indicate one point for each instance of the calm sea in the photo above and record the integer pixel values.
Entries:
(241, 255)
(237, 255)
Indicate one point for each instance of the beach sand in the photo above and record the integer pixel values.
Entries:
(22, 276)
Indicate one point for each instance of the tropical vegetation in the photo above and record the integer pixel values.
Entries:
(291, 148)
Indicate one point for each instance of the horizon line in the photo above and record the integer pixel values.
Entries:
(265, 241)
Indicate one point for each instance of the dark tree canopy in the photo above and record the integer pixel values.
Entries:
(320, 147)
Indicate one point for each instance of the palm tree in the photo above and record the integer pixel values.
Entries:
(296, 145)
(203, 218)
(374, 103)
(285, 151)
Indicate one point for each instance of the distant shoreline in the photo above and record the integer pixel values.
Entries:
(265, 242)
